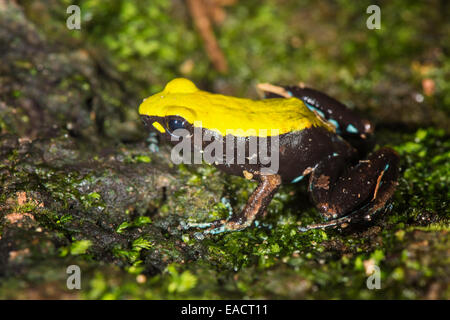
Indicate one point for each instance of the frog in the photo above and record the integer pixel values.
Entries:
(318, 138)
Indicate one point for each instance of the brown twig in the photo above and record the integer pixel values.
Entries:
(199, 13)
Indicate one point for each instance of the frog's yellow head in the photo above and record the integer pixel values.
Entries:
(181, 102)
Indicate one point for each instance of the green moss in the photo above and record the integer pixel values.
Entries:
(80, 247)
(138, 222)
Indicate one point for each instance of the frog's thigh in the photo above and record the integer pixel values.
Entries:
(346, 121)
(323, 180)
(368, 182)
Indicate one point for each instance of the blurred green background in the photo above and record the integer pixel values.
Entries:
(324, 44)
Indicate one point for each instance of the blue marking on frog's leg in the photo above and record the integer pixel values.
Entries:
(221, 229)
(299, 178)
(200, 225)
(320, 112)
(267, 225)
(263, 224)
(217, 230)
(351, 128)
(335, 124)
(259, 224)
(312, 108)
(214, 231)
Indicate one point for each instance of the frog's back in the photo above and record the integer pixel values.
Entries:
(228, 114)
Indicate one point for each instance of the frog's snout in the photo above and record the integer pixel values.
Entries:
(153, 123)
(146, 120)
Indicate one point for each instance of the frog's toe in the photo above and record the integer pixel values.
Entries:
(220, 229)
(209, 226)
(217, 227)
(213, 231)
(201, 225)
(339, 222)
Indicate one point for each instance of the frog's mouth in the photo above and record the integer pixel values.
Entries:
(153, 124)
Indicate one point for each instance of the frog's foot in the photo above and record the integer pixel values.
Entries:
(358, 195)
(341, 222)
(199, 225)
(153, 143)
(221, 226)
(204, 225)
(256, 205)
(216, 227)
(365, 214)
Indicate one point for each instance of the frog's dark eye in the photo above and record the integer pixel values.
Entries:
(174, 124)
(177, 126)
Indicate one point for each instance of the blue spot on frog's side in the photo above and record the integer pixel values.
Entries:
(312, 108)
(299, 178)
(351, 128)
(332, 121)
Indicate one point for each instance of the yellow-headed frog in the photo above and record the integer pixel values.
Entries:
(317, 136)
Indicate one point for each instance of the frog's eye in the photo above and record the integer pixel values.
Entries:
(177, 126)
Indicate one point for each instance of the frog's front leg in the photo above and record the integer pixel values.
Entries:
(256, 205)
(348, 195)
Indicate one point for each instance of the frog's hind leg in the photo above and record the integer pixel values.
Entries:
(347, 123)
(358, 193)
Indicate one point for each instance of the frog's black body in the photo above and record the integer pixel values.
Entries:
(295, 152)
(342, 188)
